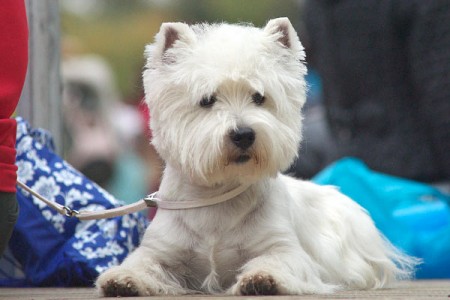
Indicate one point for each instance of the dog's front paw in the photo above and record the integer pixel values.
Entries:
(116, 288)
(120, 282)
(256, 284)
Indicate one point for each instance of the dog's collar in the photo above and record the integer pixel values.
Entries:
(153, 200)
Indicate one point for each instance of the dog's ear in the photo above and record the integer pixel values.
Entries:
(287, 34)
(172, 35)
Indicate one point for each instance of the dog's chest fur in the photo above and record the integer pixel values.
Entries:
(214, 242)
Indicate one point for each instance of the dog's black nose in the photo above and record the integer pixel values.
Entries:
(243, 137)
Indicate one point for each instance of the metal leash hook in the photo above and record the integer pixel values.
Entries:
(70, 212)
(150, 200)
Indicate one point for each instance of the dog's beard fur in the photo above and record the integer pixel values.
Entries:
(281, 236)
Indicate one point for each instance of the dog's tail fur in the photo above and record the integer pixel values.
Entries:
(405, 265)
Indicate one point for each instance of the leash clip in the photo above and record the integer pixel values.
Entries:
(151, 200)
(68, 212)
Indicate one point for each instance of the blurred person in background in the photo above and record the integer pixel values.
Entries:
(13, 67)
(91, 144)
(385, 70)
(106, 138)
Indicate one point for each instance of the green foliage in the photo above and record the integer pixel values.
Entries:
(257, 12)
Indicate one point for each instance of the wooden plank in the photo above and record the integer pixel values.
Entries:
(422, 289)
(40, 102)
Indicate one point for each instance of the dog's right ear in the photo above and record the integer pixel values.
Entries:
(172, 36)
(287, 36)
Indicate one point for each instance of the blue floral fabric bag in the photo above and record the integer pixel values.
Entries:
(54, 250)
(414, 216)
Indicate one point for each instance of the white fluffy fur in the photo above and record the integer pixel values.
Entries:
(282, 235)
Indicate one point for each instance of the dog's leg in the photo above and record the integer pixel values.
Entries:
(138, 275)
(280, 274)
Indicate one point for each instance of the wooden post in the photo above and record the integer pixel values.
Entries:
(40, 102)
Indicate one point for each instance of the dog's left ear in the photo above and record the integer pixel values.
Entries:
(287, 34)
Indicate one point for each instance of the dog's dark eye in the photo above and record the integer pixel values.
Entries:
(258, 98)
(208, 101)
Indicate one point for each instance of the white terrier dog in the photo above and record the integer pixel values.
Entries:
(225, 103)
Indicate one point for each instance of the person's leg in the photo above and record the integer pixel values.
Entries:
(9, 211)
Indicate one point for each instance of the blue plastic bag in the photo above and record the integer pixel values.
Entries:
(54, 250)
(414, 216)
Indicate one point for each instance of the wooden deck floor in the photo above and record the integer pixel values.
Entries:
(405, 290)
